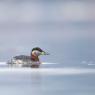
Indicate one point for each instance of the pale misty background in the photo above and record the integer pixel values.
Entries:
(64, 28)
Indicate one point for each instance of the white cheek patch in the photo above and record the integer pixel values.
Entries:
(35, 52)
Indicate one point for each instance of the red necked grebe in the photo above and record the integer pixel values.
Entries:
(29, 61)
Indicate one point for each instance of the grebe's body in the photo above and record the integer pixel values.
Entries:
(28, 61)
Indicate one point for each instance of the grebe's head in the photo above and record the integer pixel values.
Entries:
(38, 51)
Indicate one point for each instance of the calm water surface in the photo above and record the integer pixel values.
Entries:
(47, 81)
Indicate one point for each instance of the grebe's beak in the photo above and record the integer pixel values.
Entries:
(44, 53)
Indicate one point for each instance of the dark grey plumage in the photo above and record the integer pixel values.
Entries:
(23, 58)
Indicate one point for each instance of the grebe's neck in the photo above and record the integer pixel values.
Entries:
(34, 57)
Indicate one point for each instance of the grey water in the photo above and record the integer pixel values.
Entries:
(43, 83)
